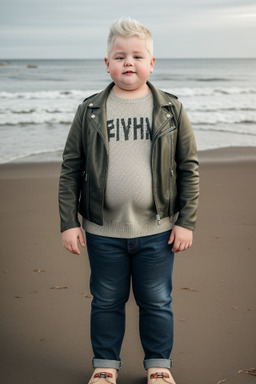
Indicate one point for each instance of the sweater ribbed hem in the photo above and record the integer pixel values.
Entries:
(127, 230)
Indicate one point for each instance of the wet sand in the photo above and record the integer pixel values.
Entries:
(45, 299)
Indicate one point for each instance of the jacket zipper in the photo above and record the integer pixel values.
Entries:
(171, 181)
(158, 218)
(160, 134)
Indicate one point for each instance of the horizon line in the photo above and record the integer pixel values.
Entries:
(3, 60)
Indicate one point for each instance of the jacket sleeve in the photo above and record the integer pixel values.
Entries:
(72, 171)
(187, 172)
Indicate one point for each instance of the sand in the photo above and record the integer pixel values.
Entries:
(45, 299)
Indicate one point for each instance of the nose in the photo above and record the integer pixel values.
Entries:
(128, 61)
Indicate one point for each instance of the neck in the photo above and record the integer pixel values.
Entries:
(130, 94)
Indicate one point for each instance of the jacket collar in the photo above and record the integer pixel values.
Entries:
(161, 99)
(99, 100)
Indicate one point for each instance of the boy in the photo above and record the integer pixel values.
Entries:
(130, 169)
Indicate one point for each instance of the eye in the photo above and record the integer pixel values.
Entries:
(137, 57)
(119, 58)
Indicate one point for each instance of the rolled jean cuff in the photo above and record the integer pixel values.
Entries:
(158, 363)
(104, 363)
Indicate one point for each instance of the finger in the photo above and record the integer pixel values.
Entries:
(176, 247)
(171, 239)
(81, 240)
(184, 247)
(75, 250)
(188, 245)
(180, 247)
(72, 249)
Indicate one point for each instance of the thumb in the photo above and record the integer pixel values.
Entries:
(171, 239)
(81, 239)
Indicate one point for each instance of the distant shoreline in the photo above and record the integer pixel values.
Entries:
(101, 58)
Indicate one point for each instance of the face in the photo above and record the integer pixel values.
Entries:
(129, 64)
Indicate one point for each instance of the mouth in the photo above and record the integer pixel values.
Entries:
(129, 72)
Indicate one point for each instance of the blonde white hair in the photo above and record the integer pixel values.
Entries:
(127, 27)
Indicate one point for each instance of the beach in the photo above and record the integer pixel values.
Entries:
(45, 297)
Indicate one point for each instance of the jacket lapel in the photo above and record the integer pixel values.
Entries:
(162, 109)
(97, 112)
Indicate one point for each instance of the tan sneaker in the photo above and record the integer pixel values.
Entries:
(161, 378)
(102, 378)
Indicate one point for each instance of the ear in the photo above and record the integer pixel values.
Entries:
(152, 63)
(107, 64)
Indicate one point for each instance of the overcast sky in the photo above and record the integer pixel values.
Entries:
(79, 28)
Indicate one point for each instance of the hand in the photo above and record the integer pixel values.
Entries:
(70, 239)
(181, 238)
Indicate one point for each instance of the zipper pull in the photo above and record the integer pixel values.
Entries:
(158, 219)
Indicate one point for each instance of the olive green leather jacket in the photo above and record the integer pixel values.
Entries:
(85, 162)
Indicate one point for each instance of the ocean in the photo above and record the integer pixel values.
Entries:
(38, 100)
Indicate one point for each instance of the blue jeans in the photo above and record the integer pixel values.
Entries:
(148, 262)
